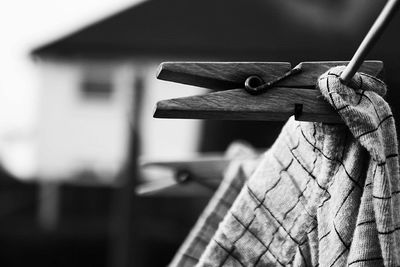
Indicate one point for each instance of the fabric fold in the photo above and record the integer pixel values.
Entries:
(371, 122)
(323, 194)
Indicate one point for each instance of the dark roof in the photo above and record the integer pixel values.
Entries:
(223, 29)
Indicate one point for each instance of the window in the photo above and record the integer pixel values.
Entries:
(97, 87)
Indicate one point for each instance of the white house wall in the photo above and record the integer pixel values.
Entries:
(167, 138)
(76, 135)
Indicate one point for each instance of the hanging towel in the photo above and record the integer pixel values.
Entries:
(323, 195)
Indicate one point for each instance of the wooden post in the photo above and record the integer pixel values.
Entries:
(124, 226)
(49, 205)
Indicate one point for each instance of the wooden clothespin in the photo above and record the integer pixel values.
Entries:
(206, 170)
(266, 91)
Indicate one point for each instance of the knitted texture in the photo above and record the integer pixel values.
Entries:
(371, 122)
(324, 195)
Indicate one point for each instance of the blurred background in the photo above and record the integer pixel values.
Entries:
(77, 92)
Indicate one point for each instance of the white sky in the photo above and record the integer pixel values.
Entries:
(25, 25)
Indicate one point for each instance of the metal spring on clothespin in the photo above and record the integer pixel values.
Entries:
(255, 85)
(370, 39)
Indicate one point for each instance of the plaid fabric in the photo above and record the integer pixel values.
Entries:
(239, 170)
(323, 194)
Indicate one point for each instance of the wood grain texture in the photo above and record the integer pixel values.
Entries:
(275, 105)
(231, 75)
(312, 70)
(220, 75)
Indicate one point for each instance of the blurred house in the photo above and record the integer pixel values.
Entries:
(88, 77)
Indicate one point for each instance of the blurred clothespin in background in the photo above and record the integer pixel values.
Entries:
(206, 170)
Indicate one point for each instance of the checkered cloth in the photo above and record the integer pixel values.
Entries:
(323, 194)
